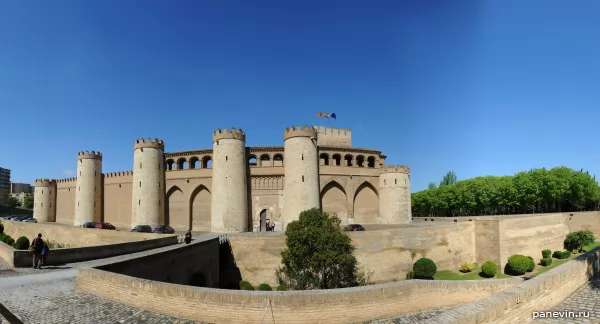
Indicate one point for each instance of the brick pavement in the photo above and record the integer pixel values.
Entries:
(585, 299)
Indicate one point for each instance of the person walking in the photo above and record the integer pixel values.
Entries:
(45, 251)
(37, 245)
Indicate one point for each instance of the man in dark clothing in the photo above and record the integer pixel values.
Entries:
(188, 237)
(36, 247)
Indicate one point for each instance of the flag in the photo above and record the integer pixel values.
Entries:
(326, 115)
(319, 114)
(333, 116)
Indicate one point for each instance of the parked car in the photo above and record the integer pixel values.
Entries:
(142, 229)
(105, 226)
(19, 218)
(354, 228)
(8, 217)
(89, 225)
(163, 229)
(29, 220)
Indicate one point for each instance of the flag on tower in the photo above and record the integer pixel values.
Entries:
(320, 114)
(326, 115)
(333, 116)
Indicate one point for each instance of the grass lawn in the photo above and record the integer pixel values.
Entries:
(474, 275)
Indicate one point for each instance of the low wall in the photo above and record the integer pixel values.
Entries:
(7, 253)
(389, 252)
(72, 235)
(347, 305)
(542, 293)
(69, 255)
(195, 264)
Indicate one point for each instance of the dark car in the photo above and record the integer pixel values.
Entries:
(163, 229)
(142, 229)
(354, 228)
(89, 225)
(105, 226)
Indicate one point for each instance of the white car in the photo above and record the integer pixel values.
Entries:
(30, 220)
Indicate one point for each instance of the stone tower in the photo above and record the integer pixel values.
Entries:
(148, 194)
(394, 195)
(88, 197)
(229, 182)
(44, 198)
(301, 175)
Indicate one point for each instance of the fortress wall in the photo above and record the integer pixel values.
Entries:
(355, 199)
(76, 236)
(269, 200)
(117, 199)
(188, 198)
(487, 241)
(330, 136)
(390, 253)
(65, 200)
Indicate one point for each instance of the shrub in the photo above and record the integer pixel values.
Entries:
(531, 264)
(468, 267)
(22, 243)
(245, 285)
(10, 241)
(575, 241)
(546, 262)
(517, 264)
(561, 254)
(2, 237)
(424, 268)
(281, 288)
(489, 269)
(264, 287)
(546, 253)
(6, 239)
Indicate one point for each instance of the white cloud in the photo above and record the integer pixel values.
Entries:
(68, 172)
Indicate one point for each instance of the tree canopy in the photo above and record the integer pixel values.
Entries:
(560, 189)
(28, 202)
(318, 254)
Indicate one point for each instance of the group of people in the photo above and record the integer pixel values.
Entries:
(40, 250)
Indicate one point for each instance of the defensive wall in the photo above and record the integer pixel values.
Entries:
(131, 281)
(448, 241)
(74, 236)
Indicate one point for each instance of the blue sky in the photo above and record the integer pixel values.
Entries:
(477, 87)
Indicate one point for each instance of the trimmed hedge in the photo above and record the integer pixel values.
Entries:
(281, 288)
(245, 285)
(546, 253)
(531, 264)
(546, 262)
(22, 243)
(265, 287)
(424, 268)
(517, 265)
(489, 269)
(561, 254)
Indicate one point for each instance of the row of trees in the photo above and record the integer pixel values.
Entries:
(560, 189)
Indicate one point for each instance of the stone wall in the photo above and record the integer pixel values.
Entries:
(7, 253)
(71, 235)
(390, 253)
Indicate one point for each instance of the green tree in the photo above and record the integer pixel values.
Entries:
(28, 202)
(449, 179)
(431, 185)
(13, 202)
(318, 254)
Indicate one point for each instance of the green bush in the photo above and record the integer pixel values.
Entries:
(245, 285)
(6, 239)
(2, 237)
(489, 269)
(467, 267)
(531, 264)
(22, 243)
(546, 253)
(561, 254)
(517, 265)
(281, 288)
(10, 241)
(424, 269)
(264, 287)
(546, 262)
(575, 241)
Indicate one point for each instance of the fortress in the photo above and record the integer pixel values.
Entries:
(233, 188)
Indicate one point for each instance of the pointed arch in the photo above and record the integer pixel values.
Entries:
(334, 200)
(200, 209)
(176, 211)
(366, 204)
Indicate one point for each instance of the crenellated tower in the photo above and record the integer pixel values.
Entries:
(44, 198)
(148, 194)
(394, 195)
(88, 197)
(301, 175)
(229, 182)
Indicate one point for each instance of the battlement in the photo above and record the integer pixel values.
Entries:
(330, 136)
(90, 155)
(149, 143)
(299, 131)
(45, 182)
(225, 133)
(65, 180)
(396, 169)
(118, 174)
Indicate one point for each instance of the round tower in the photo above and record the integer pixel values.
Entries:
(148, 194)
(44, 199)
(229, 183)
(301, 175)
(394, 195)
(88, 197)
